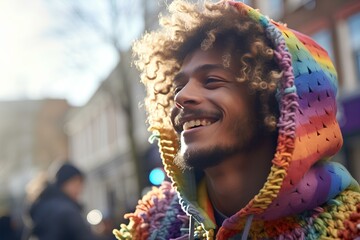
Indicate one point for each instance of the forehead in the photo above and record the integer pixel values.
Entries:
(200, 60)
(199, 56)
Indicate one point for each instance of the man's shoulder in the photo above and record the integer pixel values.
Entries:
(61, 207)
(158, 215)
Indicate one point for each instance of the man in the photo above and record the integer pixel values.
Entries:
(244, 109)
(56, 212)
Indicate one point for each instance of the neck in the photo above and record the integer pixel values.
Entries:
(238, 178)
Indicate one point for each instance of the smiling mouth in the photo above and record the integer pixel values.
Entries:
(196, 123)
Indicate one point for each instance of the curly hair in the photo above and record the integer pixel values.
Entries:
(159, 56)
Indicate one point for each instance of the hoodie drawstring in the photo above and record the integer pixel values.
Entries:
(244, 236)
(191, 228)
(247, 227)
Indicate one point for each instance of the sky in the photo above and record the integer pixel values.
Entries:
(35, 63)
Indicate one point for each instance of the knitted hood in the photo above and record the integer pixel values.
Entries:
(301, 176)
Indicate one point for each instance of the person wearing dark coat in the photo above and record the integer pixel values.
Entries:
(56, 213)
(7, 229)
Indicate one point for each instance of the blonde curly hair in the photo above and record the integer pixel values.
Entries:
(159, 56)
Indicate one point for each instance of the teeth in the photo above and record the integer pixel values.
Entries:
(195, 123)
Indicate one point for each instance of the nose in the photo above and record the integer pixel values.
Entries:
(189, 95)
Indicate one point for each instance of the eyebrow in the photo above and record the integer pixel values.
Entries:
(206, 67)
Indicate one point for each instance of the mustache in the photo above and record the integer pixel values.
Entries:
(194, 113)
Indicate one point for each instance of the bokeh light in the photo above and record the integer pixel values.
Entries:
(157, 176)
(94, 217)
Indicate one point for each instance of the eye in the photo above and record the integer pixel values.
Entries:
(212, 79)
(213, 82)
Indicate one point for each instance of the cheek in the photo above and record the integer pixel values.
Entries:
(235, 106)
(244, 105)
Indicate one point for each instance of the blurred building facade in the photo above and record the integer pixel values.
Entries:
(31, 137)
(99, 138)
(99, 144)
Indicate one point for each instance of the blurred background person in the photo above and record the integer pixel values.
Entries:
(54, 210)
(7, 228)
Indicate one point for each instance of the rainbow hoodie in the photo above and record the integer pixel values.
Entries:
(306, 195)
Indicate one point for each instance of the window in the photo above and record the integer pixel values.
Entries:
(276, 9)
(354, 24)
(323, 38)
(273, 8)
(293, 5)
(247, 2)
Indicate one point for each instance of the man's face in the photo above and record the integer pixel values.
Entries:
(213, 114)
(74, 187)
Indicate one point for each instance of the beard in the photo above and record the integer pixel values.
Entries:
(246, 135)
(203, 158)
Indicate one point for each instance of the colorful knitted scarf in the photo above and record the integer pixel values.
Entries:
(306, 195)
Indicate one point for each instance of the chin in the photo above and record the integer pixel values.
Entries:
(201, 159)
